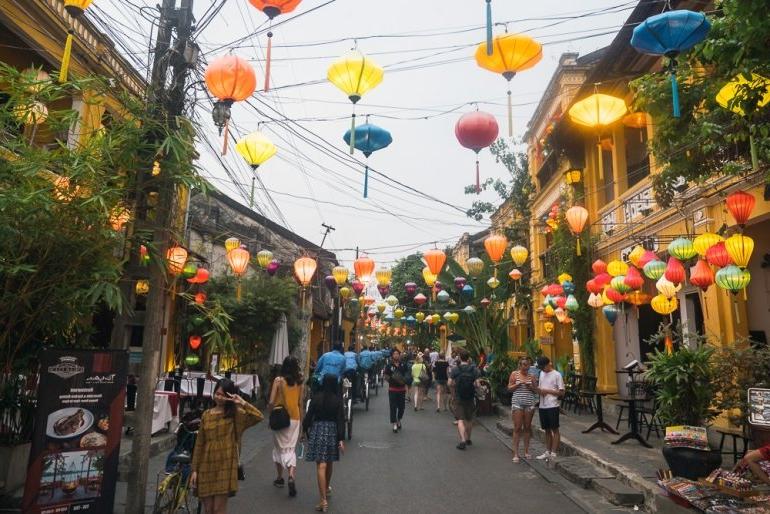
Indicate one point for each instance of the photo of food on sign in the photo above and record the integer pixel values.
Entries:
(71, 476)
(76, 427)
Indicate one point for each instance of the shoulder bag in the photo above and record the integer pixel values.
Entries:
(279, 416)
(241, 473)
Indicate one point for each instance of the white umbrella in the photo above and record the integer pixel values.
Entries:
(280, 348)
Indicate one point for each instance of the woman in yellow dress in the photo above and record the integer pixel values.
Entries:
(217, 447)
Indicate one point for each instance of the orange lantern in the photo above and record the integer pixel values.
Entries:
(272, 8)
(435, 260)
(577, 217)
(364, 268)
(702, 275)
(231, 79)
(238, 259)
(740, 204)
(195, 342)
(495, 246)
(176, 257)
(515, 274)
(200, 298)
(118, 217)
(304, 268)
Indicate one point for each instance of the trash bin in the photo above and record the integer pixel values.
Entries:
(484, 398)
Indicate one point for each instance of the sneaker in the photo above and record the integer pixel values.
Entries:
(553, 455)
(395, 428)
(544, 456)
(468, 442)
(278, 482)
(461, 446)
(292, 488)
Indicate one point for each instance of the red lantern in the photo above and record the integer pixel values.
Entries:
(602, 279)
(702, 275)
(633, 279)
(195, 342)
(599, 266)
(200, 298)
(476, 130)
(740, 205)
(555, 290)
(717, 255)
(435, 260)
(485, 302)
(544, 290)
(614, 295)
(420, 299)
(594, 287)
(357, 286)
(674, 271)
(561, 301)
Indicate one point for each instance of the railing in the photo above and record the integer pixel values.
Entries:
(18, 402)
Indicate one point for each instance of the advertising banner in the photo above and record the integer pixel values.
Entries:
(73, 464)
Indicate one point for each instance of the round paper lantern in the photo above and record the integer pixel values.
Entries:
(304, 269)
(733, 278)
(635, 256)
(619, 284)
(515, 274)
(476, 131)
(704, 241)
(555, 289)
(674, 271)
(610, 313)
(614, 296)
(189, 271)
(603, 279)
(475, 266)
(194, 342)
(230, 78)
(593, 287)
(420, 299)
(435, 260)
(548, 326)
(682, 249)
(633, 279)
(410, 288)
(717, 255)
(142, 286)
(564, 277)
(519, 255)
(201, 276)
(443, 297)
(176, 257)
(654, 269)
(740, 204)
(459, 283)
(255, 149)
(648, 256)
(571, 304)
(606, 300)
(364, 268)
(467, 291)
(577, 216)
(595, 300)
(273, 267)
(617, 268)
(702, 275)
(454, 317)
(238, 259)
(192, 360)
(493, 283)
(383, 276)
(666, 287)
(231, 243)
(340, 274)
(560, 301)
(495, 246)
(739, 248)
(663, 305)
(599, 266)
(598, 110)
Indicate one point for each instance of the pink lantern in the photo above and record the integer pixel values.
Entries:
(476, 131)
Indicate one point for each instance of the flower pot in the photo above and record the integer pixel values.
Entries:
(691, 463)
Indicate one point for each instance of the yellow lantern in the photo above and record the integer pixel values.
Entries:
(519, 255)
(598, 111)
(264, 257)
(383, 276)
(739, 248)
(493, 282)
(475, 266)
(454, 317)
(398, 313)
(663, 305)
(636, 254)
(511, 53)
(616, 268)
(548, 311)
(176, 257)
(605, 298)
(381, 306)
(142, 286)
(345, 293)
(231, 243)
(420, 317)
(735, 93)
(340, 274)
(33, 114)
(667, 288)
(705, 241)
(304, 268)
(355, 75)
(573, 176)
(255, 149)
(564, 277)
(548, 326)
(429, 277)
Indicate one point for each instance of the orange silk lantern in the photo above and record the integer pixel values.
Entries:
(230, 79)
(515, 274)
(435, 260)
(638, 298)
(176, 257)
(717, 255)
(238, 258)
(200, 298)
(272, 8)
(599, 266)
(495, 246)
(577, 216)
(740, 204)
(702, 275)
(364, 268)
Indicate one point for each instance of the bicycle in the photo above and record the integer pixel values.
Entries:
(347, 402)
(172, 492)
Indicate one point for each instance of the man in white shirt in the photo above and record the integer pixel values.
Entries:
(551, 388)
(433, 357)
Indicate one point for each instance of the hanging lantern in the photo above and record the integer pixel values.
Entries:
(614, 296)
(383, 290)
(194, 342)
(740, 204)
(467, 291)
(410, 288)
(717, 255)
(340, 274)
(560, 314)
(200, 298)
(264, 257)
(454, 317)
(192, 360)
(605, 299)
(573, 176)
(638, 298)
(475, 266)
(272, 8)
(704, 241)
(438, 286)
(485, 302)
(619, 284)
(238, 258)
(420, 317)
(391, 300)
(255, 149)
(189, 271)
(32, 115)
(519, 255)
(364, 268)
(648, 256)
(739, 248)
(511, 53)
(398, 313)
(74, 8)
(515, 274)
(201, 276)
(571, 304)
(595, 300)
(355, 75)
(273, 267)
(568, 287)
(637, 120)
(603, 279)
(555, 289)
(682, 248)
(610, 313)
(667, 288)
(732, 278)
(564, 277)
(476, 131)
(548, 326)
(430, 278)
(420, 299)
(368, 139)
(304, 269)
(617, 268)
(654, 269)
(599, 266)
(142, 287)
(345, 293)
(358, 286)
(469, 309)
(231, 243)
(593, 287)
(674, 271)
(633, 279)
(736, 95)
(668, 34)
(383, 276)
(435, 260)
(330, 283)
(176, 257)
(230, 79)
(459, 283)
(442, 296)
(577, 216)
(495, 246)
(548, 311)
(493, 282)
(635, 256)
(118, 217)
(702, 275)
(663, 305)
(598, 111)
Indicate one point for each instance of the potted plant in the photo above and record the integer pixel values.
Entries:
(498, 372)
(684, 385)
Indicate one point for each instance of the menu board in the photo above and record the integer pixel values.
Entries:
(759, 406)
(73, 464)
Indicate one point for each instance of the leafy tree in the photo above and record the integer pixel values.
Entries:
(408, 269)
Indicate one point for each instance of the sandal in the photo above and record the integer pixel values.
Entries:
(323, 506)
(516, 459)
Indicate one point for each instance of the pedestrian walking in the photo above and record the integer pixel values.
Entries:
(441, 377)
(523, 385)
(286, 394)
(324, 425)
(550, 387)
(216, 456)
(419, 381)
(396, 373)
(464, 379)
(429, 381)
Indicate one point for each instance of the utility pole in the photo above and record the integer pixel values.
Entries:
(166, 104)
(328, 228)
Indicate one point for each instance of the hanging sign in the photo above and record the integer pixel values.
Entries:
(73, 464)
(759, 406)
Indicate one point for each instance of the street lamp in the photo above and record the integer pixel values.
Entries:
(573, 176)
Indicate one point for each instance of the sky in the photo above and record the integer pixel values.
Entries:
(426, 48)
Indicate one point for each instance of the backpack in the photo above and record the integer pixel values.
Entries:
(465, 388)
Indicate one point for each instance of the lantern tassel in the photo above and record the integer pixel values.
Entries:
(675, 95)
(227, 136)
(238, 290)
(578, 246)
(366, 181)
(753, 148)
(352, 133)
(510, 115)
(478, 178)
(267, 60)
(601, 161)
(65, 58)
(489, 27)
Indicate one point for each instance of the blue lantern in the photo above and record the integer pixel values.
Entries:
(568, 287)
(442, 297)
(611, 313)
(669, 34)
(410, 321)
(390, 318)
(467, 291)
(368, 139)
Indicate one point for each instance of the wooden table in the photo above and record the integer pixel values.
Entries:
(634, 433)
(599, 414)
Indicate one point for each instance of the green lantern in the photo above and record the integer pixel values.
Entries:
(442, 296)
(190, 270)
(619, 284)
(571, 304)
(733, 278)
(197, 321)
(192, 360)
(682, 248)
(654, 269)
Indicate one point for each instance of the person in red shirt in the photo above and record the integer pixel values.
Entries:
(751, 461)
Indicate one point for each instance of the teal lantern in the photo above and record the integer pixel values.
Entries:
(682, 248)
(442, 296)
(654, 269)
(611, 313)
(571, 304)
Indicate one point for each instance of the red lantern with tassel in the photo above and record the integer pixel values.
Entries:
(717, 255)
(272, 8)
(702, 275)
(740, 205)
(476, 131)
(674, 271)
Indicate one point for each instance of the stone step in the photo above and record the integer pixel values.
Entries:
(617, 492)
(580, 471)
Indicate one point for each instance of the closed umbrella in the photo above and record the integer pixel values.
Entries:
(280, 348)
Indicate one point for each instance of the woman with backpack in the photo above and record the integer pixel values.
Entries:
(324, 425)
(397, 374)
(464, 379)
(286, 395)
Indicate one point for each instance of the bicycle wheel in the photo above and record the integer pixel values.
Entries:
(166, 494)
(366, 394)
(350, 419)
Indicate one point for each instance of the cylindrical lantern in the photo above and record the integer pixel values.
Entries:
(435, 260)
(304, 269)
(577, 216)
(739, 248)
(740, 205)
(176, 257)
(519, 255)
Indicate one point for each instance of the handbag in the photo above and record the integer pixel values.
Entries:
(279, 416)
(424, 377)
(241, 473)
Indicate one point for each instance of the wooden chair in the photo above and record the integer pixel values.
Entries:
(585, 401)
(569, 391)
(635, 388)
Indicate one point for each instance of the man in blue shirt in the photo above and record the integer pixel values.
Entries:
(366, 359)
(331, 363)
(351, 369)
